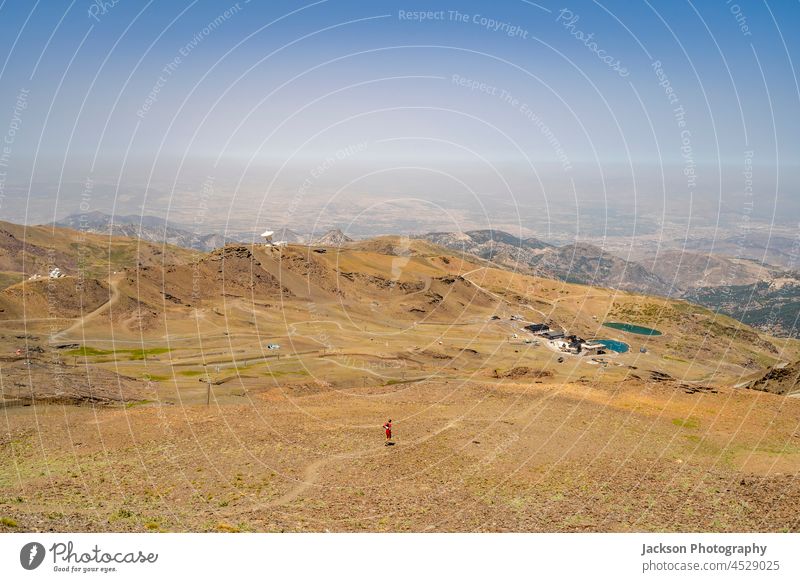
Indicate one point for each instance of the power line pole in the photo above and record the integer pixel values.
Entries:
(208, 386)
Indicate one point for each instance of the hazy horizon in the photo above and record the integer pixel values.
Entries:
(561, 121)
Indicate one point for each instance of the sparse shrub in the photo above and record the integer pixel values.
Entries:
(120, 514)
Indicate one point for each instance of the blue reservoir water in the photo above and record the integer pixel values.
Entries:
(614, 345)
(631, 328)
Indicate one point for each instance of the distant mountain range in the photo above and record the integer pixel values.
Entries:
(576, 263)
(148, 228)
(158, 230)
(761, 295)
(766, 247)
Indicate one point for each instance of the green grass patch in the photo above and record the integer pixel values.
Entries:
(281, 373)
(191, 373)
(119, 256)
(138, 403)
(88, 351)
(8, 522)
(134, 354)
(142, 354)
(686, 422)
(779, 449)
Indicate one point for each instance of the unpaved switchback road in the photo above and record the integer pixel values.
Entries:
(113, 298)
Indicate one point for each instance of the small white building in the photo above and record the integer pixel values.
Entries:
(591, 348)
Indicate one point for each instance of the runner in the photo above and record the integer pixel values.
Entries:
(388, 428)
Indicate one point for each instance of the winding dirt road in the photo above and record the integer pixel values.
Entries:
(79, 323)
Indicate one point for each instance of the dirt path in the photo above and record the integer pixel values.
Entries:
(310, 476)
(499, 297)
(81, 322)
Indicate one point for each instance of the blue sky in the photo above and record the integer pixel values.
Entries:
(299, 81)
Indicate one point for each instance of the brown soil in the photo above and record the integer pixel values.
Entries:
(490, 435)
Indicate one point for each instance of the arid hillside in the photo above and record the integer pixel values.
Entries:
(244, 390)
(36, 250)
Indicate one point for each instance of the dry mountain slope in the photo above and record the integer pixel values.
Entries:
(761, 295)
(577, 263)
(688, 270)
(781, 379)
(86, 260)
(29, 250)
(66, 297)
(231, 271)
(398, 246)
(425, 284)
(590, 265)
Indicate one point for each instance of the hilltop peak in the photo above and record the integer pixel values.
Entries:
(333, 238)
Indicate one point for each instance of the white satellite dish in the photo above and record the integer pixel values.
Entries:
(267, 236)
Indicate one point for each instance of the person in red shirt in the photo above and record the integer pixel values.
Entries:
(388, 428)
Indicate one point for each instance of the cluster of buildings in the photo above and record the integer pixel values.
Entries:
(55, 273)
(571, 344)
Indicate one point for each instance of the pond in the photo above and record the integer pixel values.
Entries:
(614, 345)
(631, 328)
